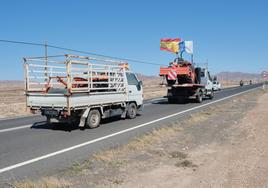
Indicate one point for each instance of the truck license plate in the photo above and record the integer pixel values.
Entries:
(51, 112)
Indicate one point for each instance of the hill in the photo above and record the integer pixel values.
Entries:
(236, 76)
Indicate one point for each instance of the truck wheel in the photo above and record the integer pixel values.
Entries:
(132, 111)
(93, 118)
(199, 98)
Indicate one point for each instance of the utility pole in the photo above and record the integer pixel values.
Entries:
(227, 78)
(46, 60)
(46, 52)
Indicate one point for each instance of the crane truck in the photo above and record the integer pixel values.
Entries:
(81, 89)
(185, 81)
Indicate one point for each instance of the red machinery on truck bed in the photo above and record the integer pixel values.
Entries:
(186, 81)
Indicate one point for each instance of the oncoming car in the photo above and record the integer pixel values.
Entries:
(216, 86)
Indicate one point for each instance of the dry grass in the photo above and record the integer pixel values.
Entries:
(199, 117)
(228, 84)
(12, 99)
(48, 182)
(154, 91)
(140, 143)
(186, 164)
(177, 154)
(145, 141)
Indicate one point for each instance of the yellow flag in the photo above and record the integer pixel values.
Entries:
(171, 45)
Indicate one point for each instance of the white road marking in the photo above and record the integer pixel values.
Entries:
(15, 128)
(114, 134)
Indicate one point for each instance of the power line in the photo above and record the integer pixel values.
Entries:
(20, 42)
(79, 51)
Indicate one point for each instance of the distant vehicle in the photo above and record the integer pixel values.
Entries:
(216, 86)
(250, 82)
(241, 83)
(185, 81)
(81, 89)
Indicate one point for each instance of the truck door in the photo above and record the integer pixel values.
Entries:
(135, 89)
(209, 82)
(206, 80)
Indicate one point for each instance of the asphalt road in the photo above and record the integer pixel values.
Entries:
(30, 148)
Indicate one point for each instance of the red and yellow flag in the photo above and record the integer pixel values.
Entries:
(171, 45)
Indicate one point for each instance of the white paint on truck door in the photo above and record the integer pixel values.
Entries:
(207, 81)
(135, 90)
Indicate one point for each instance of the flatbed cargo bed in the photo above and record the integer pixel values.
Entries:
(75, 82)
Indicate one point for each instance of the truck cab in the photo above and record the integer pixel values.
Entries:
(135, 89)
(206, 79)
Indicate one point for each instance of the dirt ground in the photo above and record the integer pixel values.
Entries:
(12, 99)
(233, 154)
(222, 146)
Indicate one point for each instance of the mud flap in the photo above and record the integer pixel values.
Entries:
(84, 117)
(141, 108)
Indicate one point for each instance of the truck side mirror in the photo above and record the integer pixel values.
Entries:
(139, 85)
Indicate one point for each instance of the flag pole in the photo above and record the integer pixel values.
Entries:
(181, 55)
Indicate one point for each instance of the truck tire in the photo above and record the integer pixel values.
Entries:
(199, 97)
(132, 111)
(93, 118)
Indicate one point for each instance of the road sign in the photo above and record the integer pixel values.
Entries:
(264, 74)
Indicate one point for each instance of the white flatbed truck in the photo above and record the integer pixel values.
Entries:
(81, 89)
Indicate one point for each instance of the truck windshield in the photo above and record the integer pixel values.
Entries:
(131, 79)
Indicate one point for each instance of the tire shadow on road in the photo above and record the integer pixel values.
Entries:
(55, 126)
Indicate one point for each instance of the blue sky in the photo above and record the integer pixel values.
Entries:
(230, 34)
